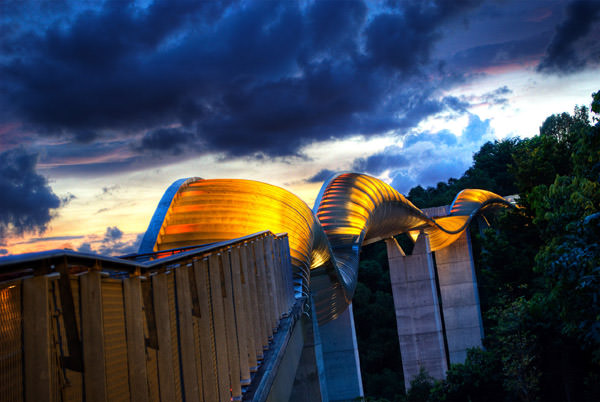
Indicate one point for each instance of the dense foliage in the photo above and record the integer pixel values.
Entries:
(538, 272)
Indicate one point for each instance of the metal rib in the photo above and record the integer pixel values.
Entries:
(351, 209)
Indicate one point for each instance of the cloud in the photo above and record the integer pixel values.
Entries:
(169, 140)
(498, 96)
(390, 158)
(567, 52)
(477, 130)
(522, 52)
(320, 176)
(27, 203)
(112, 243)
(441, 170)
(402, 181)
(51, 238)
(238, 79)
(441, 137)
(112, 234)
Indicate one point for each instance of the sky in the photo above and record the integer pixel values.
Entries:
(104, 104)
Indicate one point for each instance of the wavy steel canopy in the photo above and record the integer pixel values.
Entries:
(351, 209)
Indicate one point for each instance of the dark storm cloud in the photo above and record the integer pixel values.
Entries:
(320, 176)
(27, 203)
(390, 158)
(170, 140)
(504, 53)
(404, 40)
(245, 79)
(566, 52)
(184, 78)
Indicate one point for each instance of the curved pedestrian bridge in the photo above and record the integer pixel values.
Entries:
(217, 304)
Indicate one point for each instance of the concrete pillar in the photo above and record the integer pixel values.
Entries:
(417, 310)
(460, 299)
(340, 354)
(310, 384)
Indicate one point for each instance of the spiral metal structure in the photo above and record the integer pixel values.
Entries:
(351, 209)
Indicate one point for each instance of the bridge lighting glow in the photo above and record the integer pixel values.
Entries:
(351, 209)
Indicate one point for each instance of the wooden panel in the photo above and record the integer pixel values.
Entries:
(150, 329)
(166, 375)
(174, 335)
(215, 274)
(115, 340)
(271, 263)
(36, 339)
(262, 292)
(282, 275)
(186, 335)
(289, 274)
(92, 327)
(206, 339)
(231, 327)
(136, 356)
(255, 349)
(241, 314)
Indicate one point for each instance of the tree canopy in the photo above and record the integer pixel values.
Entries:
(538, 271)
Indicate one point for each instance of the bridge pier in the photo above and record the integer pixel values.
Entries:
(340, 355)
(418, 315)
(437, 305)
(460, 298)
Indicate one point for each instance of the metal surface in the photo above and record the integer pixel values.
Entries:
(351, 209)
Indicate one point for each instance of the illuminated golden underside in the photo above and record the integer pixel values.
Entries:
(352, 208)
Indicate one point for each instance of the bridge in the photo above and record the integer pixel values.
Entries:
(239, 292)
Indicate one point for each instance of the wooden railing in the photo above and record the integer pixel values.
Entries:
(192, 326)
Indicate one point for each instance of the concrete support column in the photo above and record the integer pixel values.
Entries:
(417, 310)
(460, 299)
(340, 355)
(310, 384)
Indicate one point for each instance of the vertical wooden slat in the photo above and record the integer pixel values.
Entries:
(198, 349)
(69, 315)
(279, 276)
(134, 321)
(231, 328)
(166, 375)
(244, 332)
(186, 335)
(284, 276)
(289, 273)
(269, 279)
(215, 274)
(270, 265)
(206, 330)
(92, 328)
(173, 321)
(247, 261)
(262, 291)
(36, 338)
(260, 299)
(151, 346)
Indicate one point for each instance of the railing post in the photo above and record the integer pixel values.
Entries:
(92, 328)
(136, 354)
(186, 335)
(36, 340)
